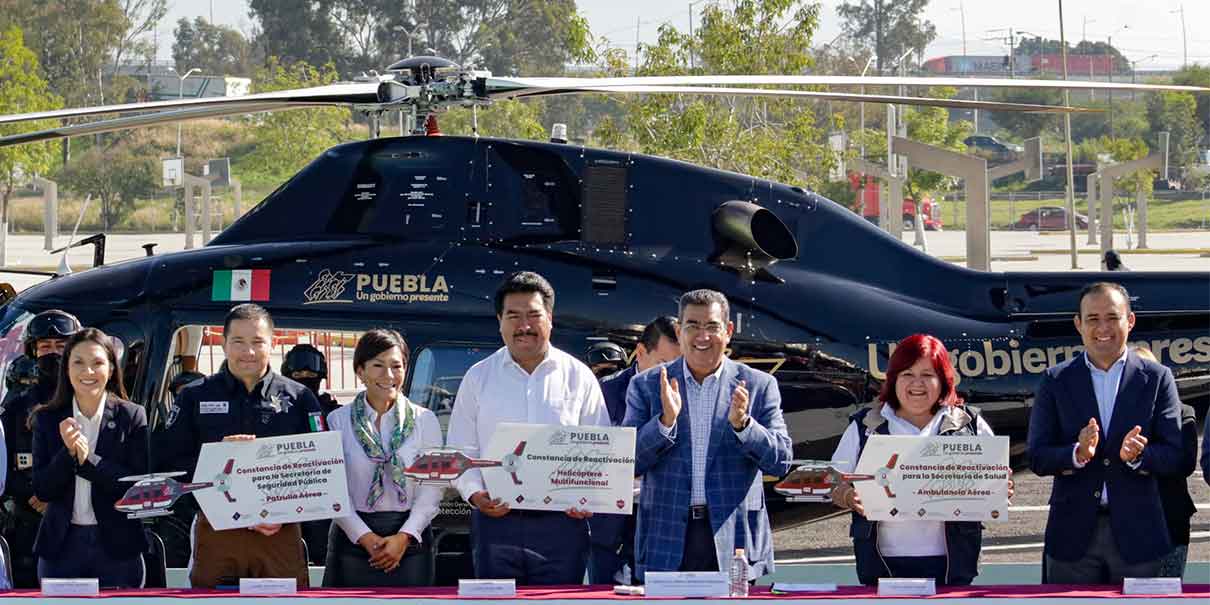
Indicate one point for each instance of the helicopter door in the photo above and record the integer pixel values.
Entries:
(437, 372)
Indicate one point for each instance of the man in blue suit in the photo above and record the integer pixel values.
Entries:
(612, 536)
(1104, 424)
(725, 424)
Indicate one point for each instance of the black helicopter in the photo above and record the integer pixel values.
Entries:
(415, 233)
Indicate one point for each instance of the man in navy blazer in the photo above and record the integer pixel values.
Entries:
(1104, 424)
(703, 415)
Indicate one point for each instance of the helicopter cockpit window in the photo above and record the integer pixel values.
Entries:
(437, 373)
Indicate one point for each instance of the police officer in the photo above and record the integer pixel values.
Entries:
(244, 400)
(20, 376)
(45, 337)
(307, 366)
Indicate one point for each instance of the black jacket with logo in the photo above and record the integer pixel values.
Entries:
(220, 405)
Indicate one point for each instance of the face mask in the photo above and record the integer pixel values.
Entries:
(310, 383)
(48, 368)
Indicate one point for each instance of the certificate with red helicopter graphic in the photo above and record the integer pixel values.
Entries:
(934, 478)
(553, 467)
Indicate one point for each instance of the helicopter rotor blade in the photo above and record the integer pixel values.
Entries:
(511, 87)
(333, 94)
(834, 96)
(148, 119)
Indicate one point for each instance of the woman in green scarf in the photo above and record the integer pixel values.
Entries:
(386, 540)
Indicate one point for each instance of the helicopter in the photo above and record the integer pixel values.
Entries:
(814, 480)
(414, 233)
(153, 494)
(443, 467)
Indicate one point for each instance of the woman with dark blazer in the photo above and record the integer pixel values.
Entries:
(86, 438)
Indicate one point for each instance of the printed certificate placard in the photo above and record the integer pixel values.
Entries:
(934, 478)
(553, 467)
(273, 480)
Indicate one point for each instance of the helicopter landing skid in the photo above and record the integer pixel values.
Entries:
(149, 514)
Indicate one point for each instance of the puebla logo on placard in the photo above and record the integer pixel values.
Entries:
(345, 287)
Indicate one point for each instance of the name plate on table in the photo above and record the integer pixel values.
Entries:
(906, 587)
(71, 587)
(788, 587)
(903, 478)
(687, 584)
(1151, 586)
(268, 586)
(273, 480)
(487, 588)
(553, 467)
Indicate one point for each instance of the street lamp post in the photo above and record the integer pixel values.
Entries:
(861, 111)
(180, 95)
(1184, 35)
(1112, 66)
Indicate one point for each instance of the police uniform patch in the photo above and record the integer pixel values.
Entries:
(174, 410)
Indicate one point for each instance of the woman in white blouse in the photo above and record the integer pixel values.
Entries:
(385, 540)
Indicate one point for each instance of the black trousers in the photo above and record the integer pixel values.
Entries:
(348, 564)
(531, 547)
(700, 554)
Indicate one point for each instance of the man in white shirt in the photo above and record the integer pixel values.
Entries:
(530, 381)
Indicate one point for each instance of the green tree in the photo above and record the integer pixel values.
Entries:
(774, 139)
(512, 119)
(1197, 75)
(1027, 125)
(299, 31)
(288, 140)
(214, 49)
(22, 90)
(1176, 114)
(116, 175)
(73, 41)
(889, 28)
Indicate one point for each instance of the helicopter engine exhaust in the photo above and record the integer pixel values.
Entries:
(749, 239)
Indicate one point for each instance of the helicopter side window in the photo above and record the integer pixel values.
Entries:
(12, 336)
(437, 372)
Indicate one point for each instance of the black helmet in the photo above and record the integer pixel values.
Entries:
(49, 324)
(605, 352)
(304, 357)
(22, 372)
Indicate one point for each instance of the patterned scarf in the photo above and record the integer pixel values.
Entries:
(387, 464)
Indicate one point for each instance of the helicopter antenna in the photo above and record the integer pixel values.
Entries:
(64, 267)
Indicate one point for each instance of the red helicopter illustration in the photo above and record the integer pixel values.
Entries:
(814, 480)
(153, 495)
(442, 467)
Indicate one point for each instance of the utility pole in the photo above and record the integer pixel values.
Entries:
(1070, 192)
(1184, 35)
(637, 23)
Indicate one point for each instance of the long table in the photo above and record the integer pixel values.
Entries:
(1031, 595)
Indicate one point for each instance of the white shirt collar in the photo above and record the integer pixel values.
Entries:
(1093, 367)
(889, 414)
(96, 417)
(508, 355)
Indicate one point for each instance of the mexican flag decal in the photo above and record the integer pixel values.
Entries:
(241, 285)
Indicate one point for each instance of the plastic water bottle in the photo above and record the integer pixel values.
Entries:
(739, 574)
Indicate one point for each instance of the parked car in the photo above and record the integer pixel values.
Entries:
(992, 148)
(1048, 218)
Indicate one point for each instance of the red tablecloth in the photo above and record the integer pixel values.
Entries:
(1191, 591)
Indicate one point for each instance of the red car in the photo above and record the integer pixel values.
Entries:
(1048, 218)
